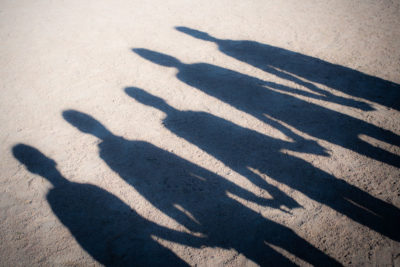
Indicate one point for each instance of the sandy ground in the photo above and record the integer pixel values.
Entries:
(202, 133)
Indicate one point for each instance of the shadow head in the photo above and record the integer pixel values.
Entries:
(34, 160)
(157, 58)
(85, 123)
(196, 34)
(147, 99)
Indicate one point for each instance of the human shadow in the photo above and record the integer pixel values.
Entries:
(241, 149)
(290, 65)
(257, 98)
(237, 147)
(109, 230)
(197, 198)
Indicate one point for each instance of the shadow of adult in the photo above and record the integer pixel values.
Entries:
(197, 198)
(237, 147)
(109, 230)
(256, 97)
(241, 148)
(290, 65)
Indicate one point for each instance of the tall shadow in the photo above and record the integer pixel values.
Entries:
(290, 65)
(197, 198)
(109, 230)
(241, 148)
(255, 97)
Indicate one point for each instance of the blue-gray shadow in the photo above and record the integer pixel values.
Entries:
(198, 198)
(290, 65)
(256, 97)
(240, 148)
(104, 226)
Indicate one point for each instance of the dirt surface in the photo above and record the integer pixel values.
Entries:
(202, 133)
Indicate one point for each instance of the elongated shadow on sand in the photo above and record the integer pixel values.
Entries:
(197, 198)
(255, 97)
(109, 230)
(241, 148)
(290, 65)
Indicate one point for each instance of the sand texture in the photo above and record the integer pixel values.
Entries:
(200, 133)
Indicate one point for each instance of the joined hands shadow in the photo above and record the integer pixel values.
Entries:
(255, 97)
(109, 230)
(240, 148)
(290, 66)
(197, 198)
